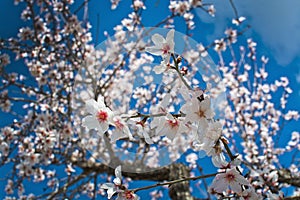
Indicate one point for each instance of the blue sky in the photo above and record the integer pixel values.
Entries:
(275, 27)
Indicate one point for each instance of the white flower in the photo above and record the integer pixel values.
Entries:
(101, 116)
(197, 111)
(121, 129)
(115, 187)
(158, 69)
(167, 126)
(163, 47)
(231, 178)
(112, 188)
(141, 128)
(238, 21)
(220, 45)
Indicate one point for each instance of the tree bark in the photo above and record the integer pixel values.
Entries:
(179, 191)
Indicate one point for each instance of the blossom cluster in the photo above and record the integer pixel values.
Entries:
(80, 110)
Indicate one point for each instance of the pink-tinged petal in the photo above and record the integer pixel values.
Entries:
(158, 40)
(221, 186)
(242, 180)
(154, 50)
(235, 187)
(91, 122)
(170, 134)
(218, 184)
(171, 45)
(92, 106)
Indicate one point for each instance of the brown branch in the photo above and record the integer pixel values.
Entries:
(286, 176)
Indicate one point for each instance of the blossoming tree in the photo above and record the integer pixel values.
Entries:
(148, 103)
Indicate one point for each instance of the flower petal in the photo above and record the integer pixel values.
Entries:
(159, 69)
(170, 40)
(91, 122)
(158, 40)
(118, 172)
(106, 186)
(154, 50)
(92, 106)
(103, 127)
(170, 36)
(116, 135)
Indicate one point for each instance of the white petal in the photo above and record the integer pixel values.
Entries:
(103, 127)
(106, 186)
(170, 36)
(110, 187)
(92, 106)
(116, 135)
(159, 69)
(205, 104)
(165, 101)
(219, 160)
(147, 138)
(235, 187)
(169, 116)
(111, 192)
(154, 50)
(100, 101)
(158, 40)
(166, 58)
(118, 172)
(127, 132)
(170, 134)
(91, 122)
(154, 123)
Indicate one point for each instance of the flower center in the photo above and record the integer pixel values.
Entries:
(201, 113)
(102, 116)
(230, 177)
(166, 48)
(173, 123)
(129, 195)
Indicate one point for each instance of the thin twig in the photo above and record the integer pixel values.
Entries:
(174, 182)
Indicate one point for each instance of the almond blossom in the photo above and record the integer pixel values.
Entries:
(112, 188)
(119, 188)
(121, 129)
(230, 179)
(101, 116)
(168, 126)
(163, 46)
(208, 137)
(56, 44)
(198, 112)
